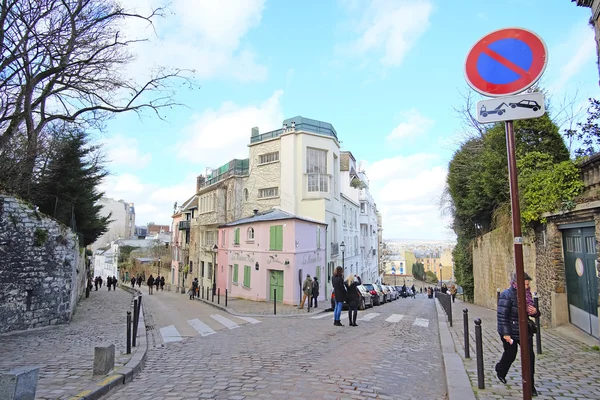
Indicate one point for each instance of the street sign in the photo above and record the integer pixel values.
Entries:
(506, 62)
(509, 108)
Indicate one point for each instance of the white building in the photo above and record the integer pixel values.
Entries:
(369, 242)
(106, 261)
(350, 185)
(122, 225)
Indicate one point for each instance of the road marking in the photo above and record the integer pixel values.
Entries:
(343, 316)
(321, 316)
(201, 327)
(368, 316)
(421, 322)
(170, 334)
(394, 318)
(224, 321)
(250, 319)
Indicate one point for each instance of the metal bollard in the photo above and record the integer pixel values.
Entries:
(136, 315)
(128, 332)
(449, 300)
(213, 295)
(466, 329)
(226, 290)
(538, 335)
(479, 352)
(274, 301)
(309, 300)
(497, 295)
(202, 293)
(218, 295)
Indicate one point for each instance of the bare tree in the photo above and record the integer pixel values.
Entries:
(64, 60)
(471, 127)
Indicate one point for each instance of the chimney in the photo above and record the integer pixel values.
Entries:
(200, 182)
(255, 211)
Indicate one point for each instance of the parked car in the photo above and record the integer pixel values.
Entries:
(376, 293)
(366, 297)
(385, 291)
(393, 292)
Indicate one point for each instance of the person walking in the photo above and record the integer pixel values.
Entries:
(307, 287)
(133, 282)
(353, 297)
(139, 281)
(508, 328)
(315, 291)
(162, 283)
(339, 291)
(194, 288)
(150, 284)
(108, 282)
(157, 282)
(453, 292)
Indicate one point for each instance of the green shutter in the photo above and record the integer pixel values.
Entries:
(236, 239)
(247, 275)
(272, 237)
(279, 242)
(235, 273)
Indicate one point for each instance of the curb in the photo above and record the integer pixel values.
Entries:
(126, 373)
(458, 383)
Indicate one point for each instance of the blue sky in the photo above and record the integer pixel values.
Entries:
(386, 74)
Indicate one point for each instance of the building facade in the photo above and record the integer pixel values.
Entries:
(122, 225)
(369, 238)
(594, 5)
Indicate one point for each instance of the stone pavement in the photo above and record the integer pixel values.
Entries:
(260, 308)
(65, 353)
(567, 368)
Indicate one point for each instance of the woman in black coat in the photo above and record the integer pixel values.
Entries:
(339, 290)
(353, 297)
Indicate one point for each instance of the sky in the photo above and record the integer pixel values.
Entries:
(387, 74)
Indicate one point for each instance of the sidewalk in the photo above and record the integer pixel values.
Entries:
(568, 367)
(65, 353)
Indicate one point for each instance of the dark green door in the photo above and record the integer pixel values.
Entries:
(580, 271)
(276, 282)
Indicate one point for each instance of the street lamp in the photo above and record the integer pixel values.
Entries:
(214, 250)
(343, 247)
(159, 267)
(441, 276)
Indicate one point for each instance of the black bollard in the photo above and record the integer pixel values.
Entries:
(466, 329)
(538, 335)
(219, 296)
(128, 332)
(213, 295)
(274, 301)
(479, 352)
(226, 290)
(136, 316)
(202, 296)
(497, 295)
(449, 300)
(309, 301)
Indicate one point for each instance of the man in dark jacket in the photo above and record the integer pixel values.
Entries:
(508, 328)
(315, 291)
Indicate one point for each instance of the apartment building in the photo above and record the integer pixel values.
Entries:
(122, 225)
(369, 237)
(349, 194)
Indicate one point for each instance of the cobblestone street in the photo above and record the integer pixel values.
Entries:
(393, 353)
(566, 370)
(65, 353)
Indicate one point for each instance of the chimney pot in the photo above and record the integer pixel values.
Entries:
(255, 211)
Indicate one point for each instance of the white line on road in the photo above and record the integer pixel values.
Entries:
(224, 321)
(201, 327)
(322, 316)
(394, 318)
(421, 322)
(250, 319)
(170, 334)
(368, 316)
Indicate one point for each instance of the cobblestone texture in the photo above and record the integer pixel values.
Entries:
(249, 307)
(566, 369)
(65, 353)
(302, 358)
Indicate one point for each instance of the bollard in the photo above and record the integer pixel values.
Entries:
(136, 316)
(309, 301)
(219, 296)
(128, 332)
(274, 301)
(479, 352)
(202, 296)
(213, 295)
(466, 329)
(538, 335)
(226, 290)
(449, 300)
(497, 295)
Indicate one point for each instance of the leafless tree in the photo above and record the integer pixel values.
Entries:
(64, 60)
(470, 126)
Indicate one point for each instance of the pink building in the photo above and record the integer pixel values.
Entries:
(271, 251)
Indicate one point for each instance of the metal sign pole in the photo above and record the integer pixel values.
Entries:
(518, 247)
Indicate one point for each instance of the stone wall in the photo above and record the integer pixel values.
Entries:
(42, 269)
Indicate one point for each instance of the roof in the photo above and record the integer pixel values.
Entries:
(134, 242)
(274, 214)
(190, 203)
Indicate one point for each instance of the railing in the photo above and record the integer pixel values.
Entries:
(184, 225)
(335, 249)
(446, 303)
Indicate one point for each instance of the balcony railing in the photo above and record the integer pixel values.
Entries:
(184, 225)
(335, 249)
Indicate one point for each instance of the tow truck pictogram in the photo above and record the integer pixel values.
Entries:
(498, 110)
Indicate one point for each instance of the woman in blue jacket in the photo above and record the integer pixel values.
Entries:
(339, 290)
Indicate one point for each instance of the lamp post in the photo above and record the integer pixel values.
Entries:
(441, 276)
(159, 267)
(214, 250)
(343, 247)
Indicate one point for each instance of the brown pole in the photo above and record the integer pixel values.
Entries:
(518, 245)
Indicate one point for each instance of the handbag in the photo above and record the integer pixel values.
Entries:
(532, 326)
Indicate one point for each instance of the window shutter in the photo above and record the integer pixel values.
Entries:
(272, 237)
(279, 242)
(235, 273)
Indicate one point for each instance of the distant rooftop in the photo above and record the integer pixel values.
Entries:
(296, 124)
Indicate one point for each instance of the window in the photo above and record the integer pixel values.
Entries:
(316, 169)
(210, 238)
(202, 269)
(344, 212)
(235, 273)
(236, 236)
(276, 237)
(318, 237)
(268, 158)
(247, 270)
(210, 270)
(191, 267)
(250, 235)
(362, 208)
(246, 194)
(268, 192)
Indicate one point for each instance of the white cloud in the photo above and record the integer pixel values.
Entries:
(407, 191)
(391, 28)
(124, 151)
(204, 36)
(217, 136)
(414, 124)
(152, 203)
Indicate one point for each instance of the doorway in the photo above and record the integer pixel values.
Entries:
(276, 285)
